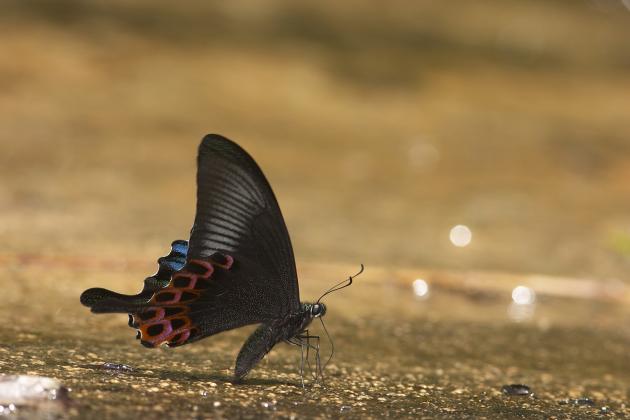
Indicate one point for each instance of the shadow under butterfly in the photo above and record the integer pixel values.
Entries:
(237, 269)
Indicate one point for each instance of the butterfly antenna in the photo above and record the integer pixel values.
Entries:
(332, 345)
(342, 284)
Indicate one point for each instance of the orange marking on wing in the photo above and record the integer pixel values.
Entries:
(162, 331)
(158, 329)
(185, 335)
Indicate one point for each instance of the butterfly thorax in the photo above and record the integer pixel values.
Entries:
(296, 323)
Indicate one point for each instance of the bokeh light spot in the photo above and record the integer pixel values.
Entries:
(460, 235)
(420, 287)
(522, 295)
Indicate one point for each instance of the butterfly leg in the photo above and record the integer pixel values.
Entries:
(306, 337)
(318, 362)
(308, 350)
(297, 341)
(292, 342)
(302, 362)
(319, 374)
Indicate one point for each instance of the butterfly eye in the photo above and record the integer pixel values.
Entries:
(318, 310)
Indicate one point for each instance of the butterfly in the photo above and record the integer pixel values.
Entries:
(237, 269)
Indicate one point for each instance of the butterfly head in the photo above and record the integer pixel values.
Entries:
(317, 310)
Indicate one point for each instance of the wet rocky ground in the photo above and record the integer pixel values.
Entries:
(450, 353)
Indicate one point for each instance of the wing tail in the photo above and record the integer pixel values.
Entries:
(102, 301)
(105, 301)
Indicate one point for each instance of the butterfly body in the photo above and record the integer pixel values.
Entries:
(268, 334)
(237, 269)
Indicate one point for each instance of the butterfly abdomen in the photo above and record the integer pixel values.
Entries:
(254, 349)
(265, 337)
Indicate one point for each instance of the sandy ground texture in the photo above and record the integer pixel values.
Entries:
(447, 354)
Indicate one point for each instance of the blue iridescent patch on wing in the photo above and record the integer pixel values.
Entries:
(180, 247)
(176, 260)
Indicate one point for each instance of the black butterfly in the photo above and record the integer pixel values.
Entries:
(238, 268)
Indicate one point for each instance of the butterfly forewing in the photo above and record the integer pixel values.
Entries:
(238, 215)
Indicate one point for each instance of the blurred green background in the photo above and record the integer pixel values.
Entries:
(380, 126)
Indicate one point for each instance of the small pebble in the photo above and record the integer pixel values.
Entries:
(578, 401)
(116, 366)
(345, 409)
(516, 389)
(266, 404)
(584, 401)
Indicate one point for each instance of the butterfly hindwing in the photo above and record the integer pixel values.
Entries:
(169, 316)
